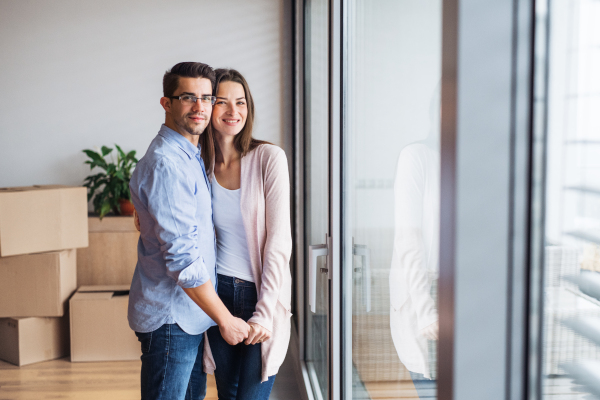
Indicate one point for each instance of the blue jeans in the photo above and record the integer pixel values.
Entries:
(426, 388)
(238, 368)
(172, 364)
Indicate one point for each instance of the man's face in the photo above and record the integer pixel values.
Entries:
(190, 119)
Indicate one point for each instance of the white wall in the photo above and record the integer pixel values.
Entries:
(78, 74)
(396, 73)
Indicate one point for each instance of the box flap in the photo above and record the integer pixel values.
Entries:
(79, 296)
(104, 288)
(111, 224)
(34, 187)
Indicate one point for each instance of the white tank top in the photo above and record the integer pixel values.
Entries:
(233, 258)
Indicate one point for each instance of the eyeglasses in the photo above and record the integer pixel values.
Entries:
(188, 99)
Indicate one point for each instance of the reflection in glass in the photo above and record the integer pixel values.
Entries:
(391, 198)
(571, 338)
(415, 257)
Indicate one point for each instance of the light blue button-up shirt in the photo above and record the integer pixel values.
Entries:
(176, 250)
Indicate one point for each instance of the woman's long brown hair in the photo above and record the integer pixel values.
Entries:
(243, 141)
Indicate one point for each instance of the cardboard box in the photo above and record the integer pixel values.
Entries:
(37, 285)
(111, 256)
(29, 340)
(37, 219)
(99, 327)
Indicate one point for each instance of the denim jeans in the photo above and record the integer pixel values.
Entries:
(172, 364)
(426, 388)
(238, 368)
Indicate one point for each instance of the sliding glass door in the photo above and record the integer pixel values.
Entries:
(387, 172)
(566, 344)
(416, 169)
(391, 190)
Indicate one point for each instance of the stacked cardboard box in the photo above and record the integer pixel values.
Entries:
(99, 328)
(40, 228)
(112, 254)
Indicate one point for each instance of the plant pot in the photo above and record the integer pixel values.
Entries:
(126, 207)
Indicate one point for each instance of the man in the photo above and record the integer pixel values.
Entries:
(173, 301)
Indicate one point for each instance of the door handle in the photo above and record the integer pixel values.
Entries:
(314, 251)
(364, 252)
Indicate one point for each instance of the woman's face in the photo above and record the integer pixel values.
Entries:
(230, 110)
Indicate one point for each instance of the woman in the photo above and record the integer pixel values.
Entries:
(251, 205)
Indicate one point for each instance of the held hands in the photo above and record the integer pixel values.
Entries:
(257, 334)
(234, 330)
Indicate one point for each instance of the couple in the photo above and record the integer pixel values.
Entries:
(214, 211)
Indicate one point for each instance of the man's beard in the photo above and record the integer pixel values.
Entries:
(184, 125)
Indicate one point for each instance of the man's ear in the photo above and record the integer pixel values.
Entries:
(165, 102)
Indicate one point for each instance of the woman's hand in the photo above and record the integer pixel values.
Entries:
(257, 334)
(136, 220)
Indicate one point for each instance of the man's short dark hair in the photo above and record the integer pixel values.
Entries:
(186, 70)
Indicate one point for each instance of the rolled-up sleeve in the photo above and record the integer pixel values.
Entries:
(172, 204)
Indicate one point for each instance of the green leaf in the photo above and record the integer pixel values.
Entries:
(92, 154)
(131, 156)
(93, 164)
(121, 153)
(96, 158)
(106, 151)
(105, 209)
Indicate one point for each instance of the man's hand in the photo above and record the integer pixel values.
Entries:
(257, 334)
(234, 330)
(136, 219)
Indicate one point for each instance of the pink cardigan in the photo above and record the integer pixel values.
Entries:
(265, 205)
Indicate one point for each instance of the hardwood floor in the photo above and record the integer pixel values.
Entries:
(117, 380)
(62, 379)
(401, 390)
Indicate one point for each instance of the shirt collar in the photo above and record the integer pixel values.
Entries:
(178, 140)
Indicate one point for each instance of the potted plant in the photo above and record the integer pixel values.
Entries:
(111, 186)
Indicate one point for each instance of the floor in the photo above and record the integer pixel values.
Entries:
(62, 379)
(400, 390)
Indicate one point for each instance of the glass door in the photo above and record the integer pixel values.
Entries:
(391, 191)
(316, 164)
(567, 200)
